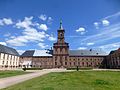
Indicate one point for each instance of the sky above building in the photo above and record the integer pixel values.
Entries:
(33, 24)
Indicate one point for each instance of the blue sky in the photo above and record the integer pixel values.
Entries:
(33, 24)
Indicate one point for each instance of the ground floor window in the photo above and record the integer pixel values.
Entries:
(55, 63)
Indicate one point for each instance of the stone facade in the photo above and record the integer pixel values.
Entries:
(113, 59)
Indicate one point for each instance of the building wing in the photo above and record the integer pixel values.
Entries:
(31, 53)
(87, 53)
(8, 50)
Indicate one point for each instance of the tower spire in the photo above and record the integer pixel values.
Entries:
(61, 24)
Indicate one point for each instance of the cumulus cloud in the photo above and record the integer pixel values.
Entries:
(96, 24)
(29, 31)
(51, 38)
(43, 17)
(82, 48)
(26, 23)
(89, 44)
(6, 21)
(81, 30)
(50, 20)
(105, 22)
(43, 27)
(3, 43)
(42, 45)
(29, 35)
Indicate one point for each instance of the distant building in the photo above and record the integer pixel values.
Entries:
(9, 57)
(113, 59)
(62, 57)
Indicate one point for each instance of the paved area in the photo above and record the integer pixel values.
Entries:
(5, 82)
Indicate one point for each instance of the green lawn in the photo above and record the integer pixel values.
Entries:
(7, 73)
(82, 80)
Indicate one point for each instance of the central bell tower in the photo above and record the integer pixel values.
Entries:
(60, 49)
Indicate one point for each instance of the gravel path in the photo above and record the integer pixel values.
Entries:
(5, 82)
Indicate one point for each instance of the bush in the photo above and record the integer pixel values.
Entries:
(32, 68)
(80, 68)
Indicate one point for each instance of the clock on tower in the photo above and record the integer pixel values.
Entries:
(61, 32)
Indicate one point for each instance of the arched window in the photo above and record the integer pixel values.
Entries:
(82, 63)
(65, 63)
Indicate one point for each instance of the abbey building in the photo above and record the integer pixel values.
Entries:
(59, 57)
(62, 57)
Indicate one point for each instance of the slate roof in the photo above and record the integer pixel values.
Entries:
(112, 52)
(36, 53)
(8, 50)
(28, 53)
(87, 53)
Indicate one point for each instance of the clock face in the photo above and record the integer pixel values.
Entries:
(61, 34)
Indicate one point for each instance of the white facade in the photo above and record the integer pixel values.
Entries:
(8, 61)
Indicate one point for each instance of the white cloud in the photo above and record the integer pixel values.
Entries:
(29, 35)
(26, 23)
(89, 44)
(43, 17)
(109, 47)
(20, 51)
(51, 38)
(42, 45)
(105, 22)
(50, 20)
(43, 27)
(82, 48)
(96, 24)
(81, 30)
(6, 21)
(3, 43)
(1, 22)
(113, 16)
(107, 33)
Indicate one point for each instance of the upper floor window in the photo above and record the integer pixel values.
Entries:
(65, 63)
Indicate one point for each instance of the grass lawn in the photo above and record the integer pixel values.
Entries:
(81, 80)
(8, 73)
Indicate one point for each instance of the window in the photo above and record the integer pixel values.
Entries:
(82, 63)
(3, 56)
(3, 62)
(87, 64)
(74, 63)
(7, 57)
(65, 58)
(55, 63)
(70, 63)
(65, 63)
(7, 62)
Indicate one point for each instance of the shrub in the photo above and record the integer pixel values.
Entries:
(32, 68)
(80, 68)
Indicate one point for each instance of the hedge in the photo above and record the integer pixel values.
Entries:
(32, 69)
(80, 68)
